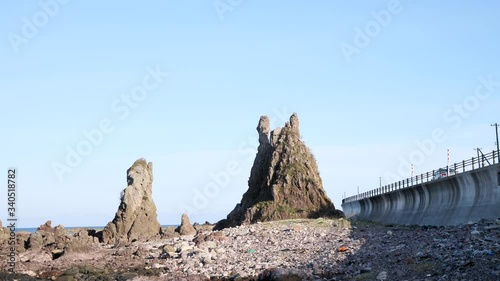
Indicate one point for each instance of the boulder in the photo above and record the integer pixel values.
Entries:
(83, 240)
(136, 218)
(279, 274)
(284, 180)
(35, 241)
(185, 228)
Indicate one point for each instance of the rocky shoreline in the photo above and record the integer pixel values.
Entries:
(304, 249)
(285, 228)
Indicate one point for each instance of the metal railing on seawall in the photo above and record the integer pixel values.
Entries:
(454, 169)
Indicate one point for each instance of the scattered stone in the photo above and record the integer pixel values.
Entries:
(278, 274)
(475, 232)
(276, 251)
(365, 270)
(127, 276)
(136, 217)
(382, 275)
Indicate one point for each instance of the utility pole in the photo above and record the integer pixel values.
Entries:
(498, 146)
(448, 163)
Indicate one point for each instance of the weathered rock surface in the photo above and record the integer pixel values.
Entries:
(50, 243)
(284, 181)
(136, 217)
(186, 228)
(48, 237)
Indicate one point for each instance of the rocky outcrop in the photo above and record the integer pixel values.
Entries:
(54, 242)
(47, 236)
(186, 228)
(284, 181)
(136, 216)
(47, 226)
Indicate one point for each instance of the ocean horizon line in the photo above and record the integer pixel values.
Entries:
(33, 229)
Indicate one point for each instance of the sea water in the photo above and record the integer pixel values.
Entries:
(33, 229)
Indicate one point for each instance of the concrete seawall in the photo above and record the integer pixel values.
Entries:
(462, 198)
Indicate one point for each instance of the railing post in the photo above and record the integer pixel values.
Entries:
(493, 156)
(463, 165)
(472, 163)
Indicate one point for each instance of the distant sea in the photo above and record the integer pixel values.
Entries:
(33, 229)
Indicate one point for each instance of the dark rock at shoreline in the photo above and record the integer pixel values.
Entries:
(284, 181)
(136, 218)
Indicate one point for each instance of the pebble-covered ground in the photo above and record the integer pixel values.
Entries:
(318, 249)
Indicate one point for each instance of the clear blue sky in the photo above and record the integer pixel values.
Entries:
(64, 68)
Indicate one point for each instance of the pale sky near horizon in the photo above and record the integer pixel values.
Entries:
(414, 68)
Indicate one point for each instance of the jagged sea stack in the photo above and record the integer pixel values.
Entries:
(136, 216)
(284, 181)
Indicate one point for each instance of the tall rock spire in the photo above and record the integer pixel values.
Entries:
(136, 216)
(284, 181)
